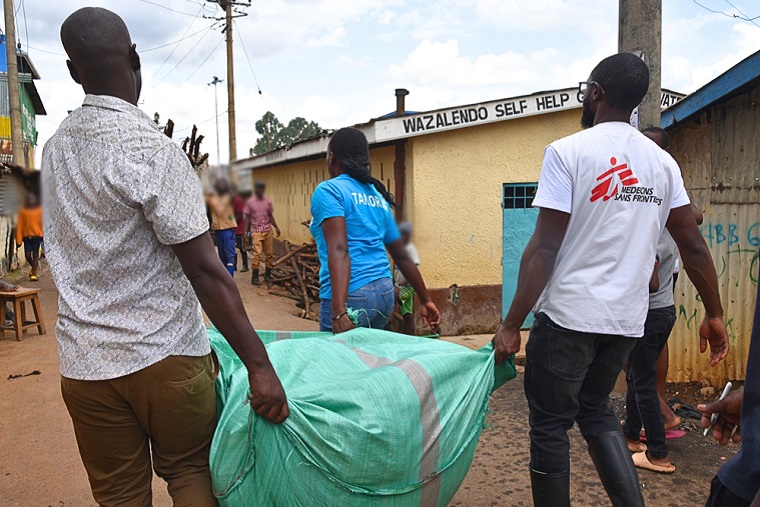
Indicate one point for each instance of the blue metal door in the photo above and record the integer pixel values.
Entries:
(519, 224)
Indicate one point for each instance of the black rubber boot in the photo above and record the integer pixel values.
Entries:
(268, 275)
(255, 277)
(550, 490)
(615, 467)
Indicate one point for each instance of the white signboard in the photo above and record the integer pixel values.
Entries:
(476, 114)
(441, 120)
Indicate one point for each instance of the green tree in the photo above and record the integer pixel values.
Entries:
(273, 134)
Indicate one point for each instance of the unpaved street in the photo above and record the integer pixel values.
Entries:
(40, 466)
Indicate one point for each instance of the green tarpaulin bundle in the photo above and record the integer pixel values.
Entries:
(376, 419)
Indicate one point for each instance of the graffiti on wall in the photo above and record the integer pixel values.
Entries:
(743, 244)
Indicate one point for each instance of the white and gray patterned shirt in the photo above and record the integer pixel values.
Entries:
(117, 193)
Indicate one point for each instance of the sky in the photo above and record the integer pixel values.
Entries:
(337, 62)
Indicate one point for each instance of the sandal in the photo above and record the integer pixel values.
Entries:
(641, 460)
(669, 435)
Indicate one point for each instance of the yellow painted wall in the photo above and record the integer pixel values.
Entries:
(5, 127)
(290, 188)
(454, 190)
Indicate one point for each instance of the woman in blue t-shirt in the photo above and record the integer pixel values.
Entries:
(352, 223)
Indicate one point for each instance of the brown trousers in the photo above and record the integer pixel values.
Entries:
(169, 409)
(263, 246)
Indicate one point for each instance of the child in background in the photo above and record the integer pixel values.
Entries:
(29, 232)
(404, 292)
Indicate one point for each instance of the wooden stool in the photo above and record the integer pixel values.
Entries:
(20, 324)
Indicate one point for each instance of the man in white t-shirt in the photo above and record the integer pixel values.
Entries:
(605, 196)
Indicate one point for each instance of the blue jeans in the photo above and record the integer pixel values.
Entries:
(374, 302)
(225, 243)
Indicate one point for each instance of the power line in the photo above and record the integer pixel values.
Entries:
(167, 8)
(245, 51)
(204, 61)
(743, 17)
(46, 51)
(183, 58)
(746, 18)
(175, 47)
(26, 27)
(175, 42)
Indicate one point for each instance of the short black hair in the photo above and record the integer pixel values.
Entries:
(660, 132)
(624, 77)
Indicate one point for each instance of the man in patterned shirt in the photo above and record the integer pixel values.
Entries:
(137, 373)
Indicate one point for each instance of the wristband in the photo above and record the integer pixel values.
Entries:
(340, 316)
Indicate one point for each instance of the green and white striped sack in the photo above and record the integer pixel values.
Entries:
(376, 419)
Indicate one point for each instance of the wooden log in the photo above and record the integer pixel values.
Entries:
(290, 256)
(300, 282)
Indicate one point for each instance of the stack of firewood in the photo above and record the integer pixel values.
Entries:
(297, 276)
(192, 148)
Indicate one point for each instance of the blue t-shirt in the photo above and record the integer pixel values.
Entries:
(369, 227)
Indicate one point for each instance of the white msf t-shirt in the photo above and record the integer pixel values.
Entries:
(618, 187)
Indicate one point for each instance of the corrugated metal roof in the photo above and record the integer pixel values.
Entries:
(5, 101)
(728, 83)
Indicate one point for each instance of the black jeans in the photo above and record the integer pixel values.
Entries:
(568, 378)
(721, 496)
(642, 401)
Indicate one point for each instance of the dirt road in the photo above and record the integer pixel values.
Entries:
(40, 465)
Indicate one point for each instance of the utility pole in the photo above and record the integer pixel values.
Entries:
(215, 82)
(230, 86)
(640, 32)
(14, 92)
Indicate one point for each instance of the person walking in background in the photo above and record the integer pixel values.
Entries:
(405, 292)
(604, 196)
(737, 483)
(129, 253)
(352, 224)
(642, 400)
(223, 223)
(671, 420)
(239, 208)
(29, 233)
(259, 220)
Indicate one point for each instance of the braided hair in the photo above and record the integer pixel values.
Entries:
(350, 148)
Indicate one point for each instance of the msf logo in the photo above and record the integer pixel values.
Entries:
(612, 180)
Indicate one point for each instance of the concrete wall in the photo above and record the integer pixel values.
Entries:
(719, 157)
(290, 188)
(454, 182)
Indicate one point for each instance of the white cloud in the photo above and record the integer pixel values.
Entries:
(545, 15)
(337, 61)
(438, 74)
(336, 37)
(687, 74)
